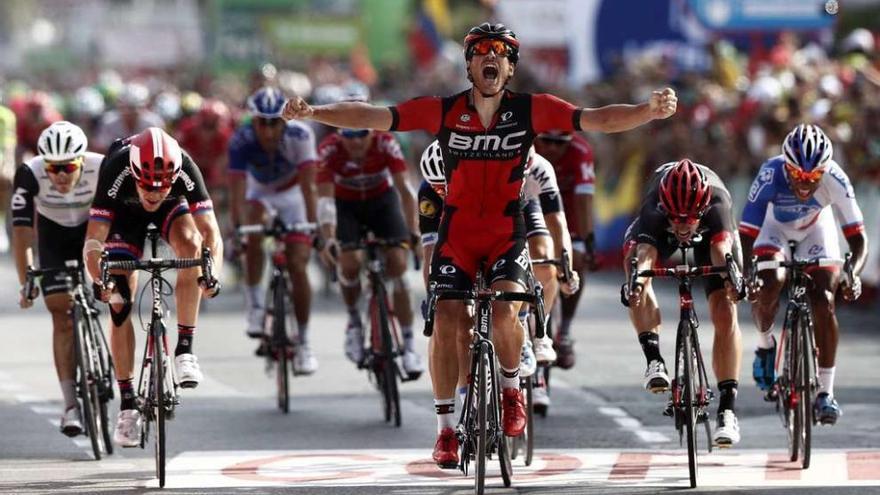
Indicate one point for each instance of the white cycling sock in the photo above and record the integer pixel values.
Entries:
(407, 333)
(509, 378)
(252, 296)
(68, 390)
(826, 380)
(462, 395)
(445, 409)
(303, 329)
(765, 339)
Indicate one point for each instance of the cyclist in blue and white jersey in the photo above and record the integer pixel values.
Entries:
(790, 200)
(272, 169)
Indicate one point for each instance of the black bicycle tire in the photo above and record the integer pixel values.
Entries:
(279, 337)
(389, 367)
(159, 359)
(806, 392)
(106, 381)
(503, 454)
(86, 390)
(481, 455)
(795, 418)
(690, 409)
(530, 424)
(99, 405)
(703, 382)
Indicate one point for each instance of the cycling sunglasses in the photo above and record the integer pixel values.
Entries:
(483, 47)
(684, 219)
(66, 167)
(354, 133)
(264, 122)
(799, 175)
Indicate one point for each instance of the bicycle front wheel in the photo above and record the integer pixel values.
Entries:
(105, 377)
(481, 454)
(390, 391)
(160, 360)
(806, 396)
(88, 390)
(690, 405)
(280, 346)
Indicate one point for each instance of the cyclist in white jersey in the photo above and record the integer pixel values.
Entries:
(794, 197)
(51, 199)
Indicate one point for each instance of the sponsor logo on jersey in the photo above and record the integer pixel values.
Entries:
(427, 208)
(187, 181)
(18, 200)
(498, 264)
(447, 269)
(114, 189)
(523, 259)
(506, 116)
(465, 117)
(486, 143)
(764, 178)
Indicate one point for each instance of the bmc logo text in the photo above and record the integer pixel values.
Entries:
(486, 142)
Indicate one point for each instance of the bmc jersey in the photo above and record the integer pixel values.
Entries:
(771, 187)
(485, 166)
(117, 197)
(576, 175)
(364, 179)
(278, 171)
(32, 190)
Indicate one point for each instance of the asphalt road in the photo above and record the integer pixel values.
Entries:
(604, 434)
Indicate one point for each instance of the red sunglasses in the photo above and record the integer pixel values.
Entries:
(799, 175)
(483, 47)
(67, 168)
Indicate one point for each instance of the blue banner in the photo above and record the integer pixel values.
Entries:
(750, 15)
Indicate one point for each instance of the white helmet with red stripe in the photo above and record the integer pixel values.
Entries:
(154, 158)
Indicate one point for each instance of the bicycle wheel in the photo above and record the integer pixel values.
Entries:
(498, 433)
(158, 369)
(806, 397)
(106, 379)
(525, 443)
(280, 346)
(390, 391)
(690, 405)
(87, 388)
(481, 455)
(790, 393)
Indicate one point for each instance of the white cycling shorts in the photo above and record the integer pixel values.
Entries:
(819, 240)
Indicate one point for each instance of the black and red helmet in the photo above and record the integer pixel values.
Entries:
(494, 32)
(684, 190)
(154, 158)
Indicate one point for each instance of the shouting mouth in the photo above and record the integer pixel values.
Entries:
(490, 73)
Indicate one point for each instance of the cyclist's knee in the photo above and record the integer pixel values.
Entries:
(395, 262)
(722, 310)
(348, 279)
(823, 301)
(399, 284)
(120, 301)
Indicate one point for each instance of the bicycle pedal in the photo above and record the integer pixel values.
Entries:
(702, 417)
(189, 384)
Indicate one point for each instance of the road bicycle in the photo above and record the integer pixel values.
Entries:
(479, 431)
(796, 359)
(94, 365)
(276, 345)
(157, 393)
(690, 384)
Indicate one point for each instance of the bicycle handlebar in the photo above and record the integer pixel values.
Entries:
(563, 262)
(471, 295)
(759, 266)
(730, 268)
(71, 268)
(206, 262)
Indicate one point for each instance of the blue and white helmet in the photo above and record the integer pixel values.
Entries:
(807, 148)
(267, 103)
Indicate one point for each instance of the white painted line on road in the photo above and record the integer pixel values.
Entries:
(6, 386)
(83, 443)
(28, 398)
(46, 410)
(620, 416)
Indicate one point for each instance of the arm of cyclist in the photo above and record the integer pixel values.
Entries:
(408, 202)
(93, 248)
(558, 227)
(718, 252)
(309, 191)
(25, 186)
(646, 256)
(352, 115)
(327, 223)
(858, 246)
(23, 251)
(616, 118)
(206, 224)
(586, 257)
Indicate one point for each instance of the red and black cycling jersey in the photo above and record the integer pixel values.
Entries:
(485, 166)
(365, 179)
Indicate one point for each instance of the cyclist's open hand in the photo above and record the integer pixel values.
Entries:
(296, 108)
(663, 103)
(852, 291)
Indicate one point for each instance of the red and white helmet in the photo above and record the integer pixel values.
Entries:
(684, 190)
(154, 158)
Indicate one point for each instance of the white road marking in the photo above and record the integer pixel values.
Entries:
(414, 468)
(621, 417)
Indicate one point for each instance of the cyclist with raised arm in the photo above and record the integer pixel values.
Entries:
(687, 204)
(148, 179)
(485, 133)
(797, 187)
(272, 170)
(363, 185)
(53, 192)
(572, 158)
(547, 234)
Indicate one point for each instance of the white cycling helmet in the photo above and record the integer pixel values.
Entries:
(431, 165)
(62, 141)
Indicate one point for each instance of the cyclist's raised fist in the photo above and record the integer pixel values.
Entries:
(663, 103)
(296, 108)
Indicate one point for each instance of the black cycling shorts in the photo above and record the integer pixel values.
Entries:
(129, 231)
(55, 245)
(382, 215)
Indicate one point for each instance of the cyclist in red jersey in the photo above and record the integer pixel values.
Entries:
(572, 159)
(362, 185)
(485, 133)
